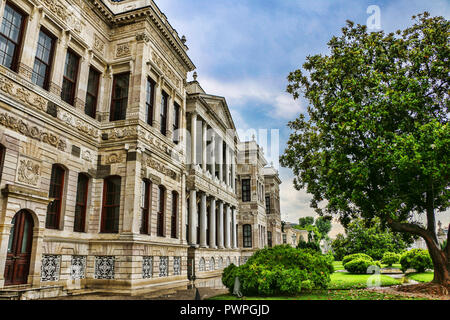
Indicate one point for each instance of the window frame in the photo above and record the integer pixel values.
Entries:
(174, 217)
(83, 204)
(105, 206)
(146, 201)
(74, 81)
(247, 236)
(49, 66)
(57, 197)
(97, 91)
(160, 223)
(163, 112)
(246, 194)
(18, 45)
(113, 98)
(176, 122)
(150, 100)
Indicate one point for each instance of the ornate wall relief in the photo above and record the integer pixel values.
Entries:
(114, 158)
(147, 268)
(123, 50)
(104, 267)
(78, 267)
(28, 171)
(166, 69)
(163, 266)
(177, 266)
(158, 166)
(99, 45)
(50, 267)
(24, 95)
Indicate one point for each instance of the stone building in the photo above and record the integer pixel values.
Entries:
(118, 174)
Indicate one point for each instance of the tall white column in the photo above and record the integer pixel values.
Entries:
(203, 221)
(212, 224)
(220, 226)
(204, 159)
(234, 229)
(227, 227)
(193, 218)
(227, 165)
(220, 160)
(233, 171)
(213, 154)
(193, 138)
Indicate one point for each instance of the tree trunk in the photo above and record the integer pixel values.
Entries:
(440, 258)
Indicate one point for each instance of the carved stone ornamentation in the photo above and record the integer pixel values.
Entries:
(99, 45)
(113, 158)
(63, 12)
(158, 166)
(23, 95)
(123, 50)
(142, 37)
(32, 131)
(28, 172)
(166, 69)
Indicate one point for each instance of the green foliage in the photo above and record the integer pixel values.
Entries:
(356, 256)
(308, 245)
(305, 221)
(229, 276)
(369, 238)
(417, 259)
(389, 258)
(360, 265)
(281, 270)
(376, 139)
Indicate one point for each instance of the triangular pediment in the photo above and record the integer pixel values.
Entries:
(218, 106)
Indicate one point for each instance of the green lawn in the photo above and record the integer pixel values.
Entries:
(422, 277)
(338, 265)
(341, 280)
(327, 295)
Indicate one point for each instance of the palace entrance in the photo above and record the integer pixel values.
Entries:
(19, 249)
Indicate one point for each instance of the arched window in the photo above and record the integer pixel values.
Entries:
(56, 192)
(111, 205)
(161, 208)
(247, 230)
(173, 224)
(81, 203)
(212, 264)
(145, 206)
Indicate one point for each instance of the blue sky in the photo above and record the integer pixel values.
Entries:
(245, 49)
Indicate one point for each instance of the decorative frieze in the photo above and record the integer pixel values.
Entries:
(22, 94)
(99, 45)
(78, 124)
(33, 132)
(78, 268)
(147, 268)
(114, 158)
(28, 171)
(62, 11)
(104, 267)
(160, 167)
(123, 50)
(177, 266)
(166, 69)
(143, 36)
(50, 267)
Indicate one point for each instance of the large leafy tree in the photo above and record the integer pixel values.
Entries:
(376, 141)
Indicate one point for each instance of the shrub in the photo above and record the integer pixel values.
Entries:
(360, 265)
(418, 259)
(229, 276)
(390, 258)
(280, 270)
(355, 256)
(302, 244)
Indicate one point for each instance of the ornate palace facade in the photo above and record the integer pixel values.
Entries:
(117, 173)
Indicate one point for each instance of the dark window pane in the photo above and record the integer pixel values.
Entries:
(150, 100)
(11, 32)
(56, 191)
(119, 99)
(42, 62)
(70, 77)
(111, 205)
(92, 93)
(81, 203)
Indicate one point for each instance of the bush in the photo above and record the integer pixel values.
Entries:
(417, 259)
(302, 244)
(360, 265)
(280, 270)
(390, 258)
(355, 256)
(229, 276)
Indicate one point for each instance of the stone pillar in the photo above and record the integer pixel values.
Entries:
(204, 133)
(233, 171)
(213, 155)
(212, 224)
(157, 105)
(131, 211)
(193, 218)
(220, 226)
(80, 98)
(170, 117)
(220, 160)
(227, 227)
(31, 36)
(193, 139)
(227, 165)
(203, 222)
(59, 60)
(234, 229)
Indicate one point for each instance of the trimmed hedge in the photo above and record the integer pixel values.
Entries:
(355, 256)
(360, 265)
(418, 259)
(389, 258)
(280, 270)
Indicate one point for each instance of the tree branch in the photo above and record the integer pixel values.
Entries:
(407, 227)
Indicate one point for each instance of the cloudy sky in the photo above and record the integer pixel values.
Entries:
(244, 50)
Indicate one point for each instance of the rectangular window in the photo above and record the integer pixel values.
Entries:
(119, 99)
(247, 232)
(176, 123)
(267, 204)
(111, 205)
(145, 206)
(90, 107)
(174, 215)
(161, 208)
(246, 192)
(70, 77)
(43, 59)
(81, 203)
(150, 100)
(269, 239)
(56, 192)
(284, 238)
(164, 104)
(11, 34)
